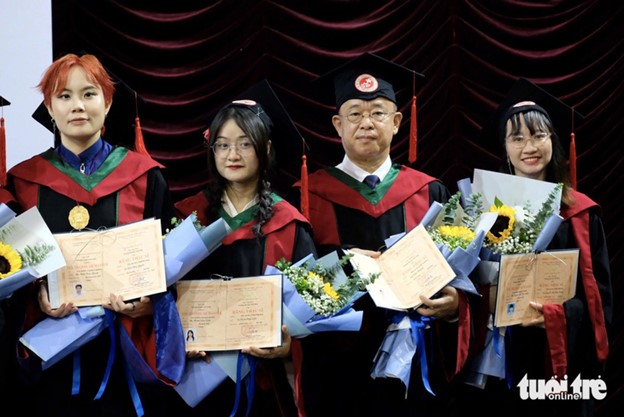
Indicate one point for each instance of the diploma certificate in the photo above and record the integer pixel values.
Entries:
(229, 314)
(125, 260)
(546, 278)
(411, 267)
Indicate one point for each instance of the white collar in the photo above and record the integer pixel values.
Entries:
(348, 167)
(229, 208)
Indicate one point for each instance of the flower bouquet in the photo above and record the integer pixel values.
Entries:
(28, 249)
(318, 295)
(459, 235)
(526, 221)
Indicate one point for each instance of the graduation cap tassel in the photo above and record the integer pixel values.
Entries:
(305, 203)
(572, 161)
(3, 178)
(572, 155)
(139, 143)
(413, 133)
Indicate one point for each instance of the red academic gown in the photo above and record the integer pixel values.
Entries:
(126, 188)
(286, 235)
(336, 365)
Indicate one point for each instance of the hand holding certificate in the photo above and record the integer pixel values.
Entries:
(412, 267)
(546, 277)
(126, 260)
(228, 314)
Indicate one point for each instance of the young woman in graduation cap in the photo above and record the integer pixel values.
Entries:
(243, 139)
(87, 184)
(568, 340)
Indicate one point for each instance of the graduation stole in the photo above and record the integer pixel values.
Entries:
(279, 231)
(372, 195)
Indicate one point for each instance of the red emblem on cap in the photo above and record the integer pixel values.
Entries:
(366, 83)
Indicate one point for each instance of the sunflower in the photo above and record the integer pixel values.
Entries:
(330, 291)
(503, 225)
(10, 260)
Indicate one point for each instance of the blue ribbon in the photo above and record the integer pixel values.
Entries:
(76, 373)
(508, 375)
(418, 325)
(134, 393)
(109, 317)
(249, 383)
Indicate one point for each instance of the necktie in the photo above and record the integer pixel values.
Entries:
(371, 180)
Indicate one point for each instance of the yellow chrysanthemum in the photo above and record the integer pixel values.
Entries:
(504, 224)
(329, 290)
(315, 277)
(461, 232)
(10, 260)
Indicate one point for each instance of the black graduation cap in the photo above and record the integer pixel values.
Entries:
(288, 143)
(369, 76)
(122, 125)
(562, 116)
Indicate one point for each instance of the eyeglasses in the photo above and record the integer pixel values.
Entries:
(356, 117)
(242, 148)
(519, 141)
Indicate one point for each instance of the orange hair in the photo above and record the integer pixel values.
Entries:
(55, 77)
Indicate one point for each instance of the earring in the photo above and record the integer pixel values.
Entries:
(53, 126)
(509, 165)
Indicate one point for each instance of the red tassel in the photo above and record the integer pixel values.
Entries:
(3, 177)
(305, 202)
(413, 133)
(139, 144)
(572, 161)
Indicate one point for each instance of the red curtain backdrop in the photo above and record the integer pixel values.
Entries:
(186, 59)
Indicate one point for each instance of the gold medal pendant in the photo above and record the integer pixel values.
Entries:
(78, 217)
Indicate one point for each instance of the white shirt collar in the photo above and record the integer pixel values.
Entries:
(229, 208)
(349, 168)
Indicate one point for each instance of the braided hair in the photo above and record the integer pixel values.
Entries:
(247, 117)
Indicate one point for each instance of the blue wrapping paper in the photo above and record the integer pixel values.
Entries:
(185, 246)
(201, 378)
(53, 339)
(170, 347)
(301, 320)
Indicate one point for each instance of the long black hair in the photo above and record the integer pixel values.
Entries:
(259, 133)
(557, 169)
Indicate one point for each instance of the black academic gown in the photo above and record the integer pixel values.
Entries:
(336, 366)
(287, 235)
(127, 187)
(573, 329)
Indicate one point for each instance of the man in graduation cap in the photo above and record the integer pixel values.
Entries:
(85, 184)
(359, 203)
(242, 141)
(569, 340)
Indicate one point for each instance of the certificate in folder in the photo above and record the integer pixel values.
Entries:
(546, 277)
(228, 314)
(125, 260)
(411, 267)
